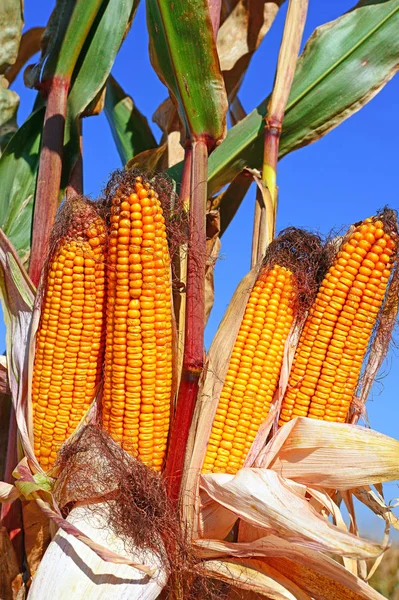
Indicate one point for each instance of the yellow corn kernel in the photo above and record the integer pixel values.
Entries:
(69, 340)
(335, 337)
(138, 358)
(253, 373)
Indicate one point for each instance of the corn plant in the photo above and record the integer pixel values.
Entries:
(134, 463)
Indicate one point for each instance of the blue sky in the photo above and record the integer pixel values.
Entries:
(343, 178)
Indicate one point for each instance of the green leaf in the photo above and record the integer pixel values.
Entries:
(344, 64)
(99, 52)
(130, 129)
(19, 163)
(183, 53)
(18, 172)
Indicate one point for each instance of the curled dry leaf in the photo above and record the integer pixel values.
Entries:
(29, 45)
(377, 504)
(11, 583)
(154, 159)
(212, 252)
(240, 35)
(263, 499)
(255, 576)
(314, 572)
(11, 22)
(8, 492)
(332, 455)
(167, 119)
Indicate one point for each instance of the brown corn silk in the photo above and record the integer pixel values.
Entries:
(138, 360)
(286, 281)
(69, 340)
(336, 335)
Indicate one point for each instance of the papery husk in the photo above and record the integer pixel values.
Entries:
(240, 34)
(11, 583)
(213, 246)
(314, 572)
(331, 455)
(373, 500)
(17, 295)
(255, 576)
(265, 500)
(36, 534)
(70, 569)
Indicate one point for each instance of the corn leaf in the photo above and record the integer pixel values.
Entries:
(19, 162)
(190, 70)
(130, 129)
(343, 66)
(11, 22)
(331, 455)
(69, 560)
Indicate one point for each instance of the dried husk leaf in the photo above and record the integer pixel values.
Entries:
(8, 492)
(5, 411)
(70, 567)
(17, 296)
(214, 520)
(263, 499)
(239, 37)
(167, 118)
(29, 45)
(11, 583)
(212, 252)
(11, 23)
(155, 159)
(331, 455)
(314, 572)
(376, 503)
(255, 576)
(36, 534)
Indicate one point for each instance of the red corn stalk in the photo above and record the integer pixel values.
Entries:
(49, 176)
(193, 358)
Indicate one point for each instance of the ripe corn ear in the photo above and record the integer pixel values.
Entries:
(138, 359)
(253, 372)
(69, 341)
(334, 341)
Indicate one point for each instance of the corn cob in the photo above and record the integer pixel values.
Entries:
(334, 341)
(138, 359)
(253, 372)
(69, 341)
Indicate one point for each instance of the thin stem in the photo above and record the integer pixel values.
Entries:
(292, 36)
(75, 184)
(193, 358)
(49, 176)
(180, 263)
